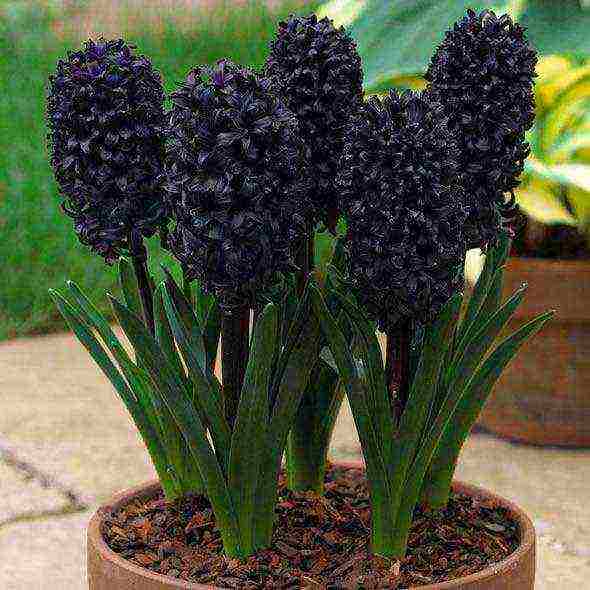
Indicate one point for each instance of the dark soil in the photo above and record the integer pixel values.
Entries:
(319, 543)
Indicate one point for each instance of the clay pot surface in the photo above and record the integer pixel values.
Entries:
(543, 397)
(109, 571)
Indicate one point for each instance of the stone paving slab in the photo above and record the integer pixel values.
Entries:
(62, 415)
(22, 498)
(48, 554)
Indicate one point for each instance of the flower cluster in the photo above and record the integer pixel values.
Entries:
(404, 208)
(237, 182)
(319, 72)
(483, 74)
(106, 122)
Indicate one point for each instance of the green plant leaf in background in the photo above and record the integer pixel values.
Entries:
(397, 39)
(537, 200)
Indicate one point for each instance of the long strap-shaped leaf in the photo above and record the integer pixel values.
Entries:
(250, 435)
(177, 398)
(206, 396)
(129, 286)
(422, 392)
(495, 259)
(482, 383)
(168, 430)
(212, 333)
(186, 313)
(469, 357)
(377, 472)
(147, 428)
(164, 336)
(378, 404)
(292, 373)
(472, 400)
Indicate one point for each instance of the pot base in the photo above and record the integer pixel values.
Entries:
(108, 570)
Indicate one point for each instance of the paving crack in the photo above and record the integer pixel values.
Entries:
(40, 515)
(74, 500)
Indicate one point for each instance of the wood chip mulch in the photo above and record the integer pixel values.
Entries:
(319, 542)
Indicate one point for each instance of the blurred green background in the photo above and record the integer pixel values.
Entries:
(38, 249)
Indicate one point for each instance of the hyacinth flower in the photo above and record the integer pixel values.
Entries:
(318, 71)
(405, 246)
(106, 122)
(483, 74)
(239, 188)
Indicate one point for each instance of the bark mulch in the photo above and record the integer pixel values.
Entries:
(319, 542)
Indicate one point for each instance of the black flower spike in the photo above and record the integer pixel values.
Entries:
(404, 209)
(483, 74)
(319, 72)
(238, 182)
(106, 115)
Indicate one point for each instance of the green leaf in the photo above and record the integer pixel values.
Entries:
(167, 428)
(212, 333)
(557, 27)
(469, 357)
(396, 39)
(187, 418)
(456, 430)
(538, 201)
(189, 319)
(486, 292)
(147, 427)
(399, 38)
(483, 380)
(292, 372)
(422, 393)
(575, 175)
(164, 335)
(342, 12)
(378, 403)
(377, 472)
(249, 437)
(129, 286)
(207, 393)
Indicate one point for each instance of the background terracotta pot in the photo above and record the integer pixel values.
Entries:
(109, 571)
(543, 397)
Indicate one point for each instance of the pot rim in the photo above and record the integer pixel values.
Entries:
(149, 489)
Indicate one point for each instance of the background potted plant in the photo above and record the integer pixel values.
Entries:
(543, 397)
(237, 179)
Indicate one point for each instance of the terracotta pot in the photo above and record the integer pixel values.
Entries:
(109, 571)
(543, 397)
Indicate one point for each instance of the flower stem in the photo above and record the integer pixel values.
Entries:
(235, 327)
(397, 367)
(139, 260)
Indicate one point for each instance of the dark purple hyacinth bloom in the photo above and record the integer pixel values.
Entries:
(318, 70)
(483, 75)
(404, 208)
(106, 134)
(237, 182)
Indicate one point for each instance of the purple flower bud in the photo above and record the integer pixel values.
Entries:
(238, 182)
(404, 208)
(106, 134)
(318, 70)
(483, 75)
